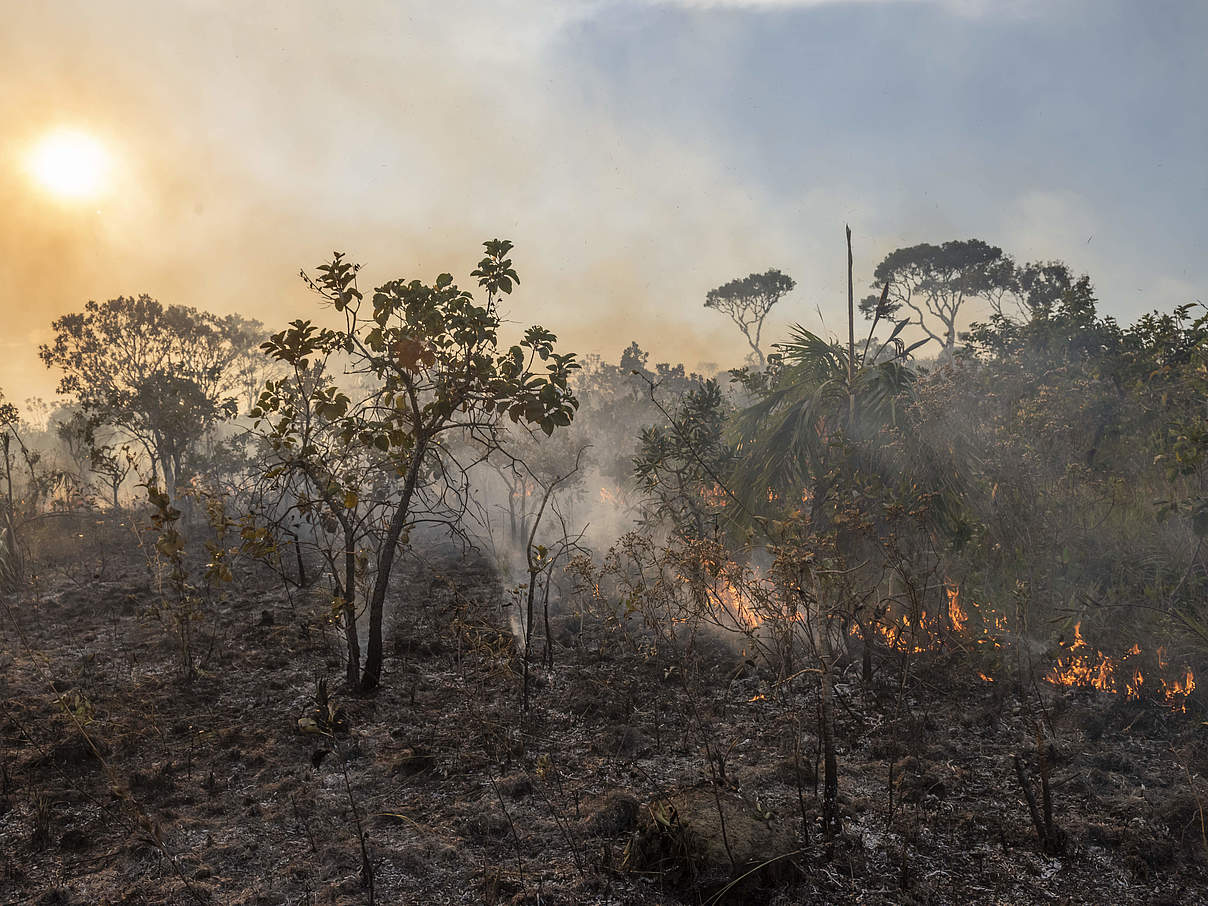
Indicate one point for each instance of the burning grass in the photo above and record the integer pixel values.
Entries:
(743, 599)
(600, 794)
(1086, 667)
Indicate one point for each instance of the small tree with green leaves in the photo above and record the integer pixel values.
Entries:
(679, 464)
(436, 383)
(314, 477)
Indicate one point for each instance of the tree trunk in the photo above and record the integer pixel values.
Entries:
(350, 609)
(8, 475)
(372, 673)
(165, 468)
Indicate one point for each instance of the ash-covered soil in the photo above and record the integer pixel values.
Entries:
(638, 775)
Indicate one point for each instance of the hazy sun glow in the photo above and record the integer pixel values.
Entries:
(70, 164)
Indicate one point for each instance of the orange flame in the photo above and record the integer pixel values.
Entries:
(735, 603)
(1176, 691)
(904, 633)
(956, 613)
(1087, 667)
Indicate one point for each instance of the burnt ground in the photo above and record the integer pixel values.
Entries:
(121, 784)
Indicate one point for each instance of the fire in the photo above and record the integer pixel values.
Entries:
(904, 633)
(736, 593)
(1080, 665)
(1087, 667)
(736, 604)
(773, 497)
(609, 496)
(732, 593)
(956, 613)
(1176, 691)
(1083, 666)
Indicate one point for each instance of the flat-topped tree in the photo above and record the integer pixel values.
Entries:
(747, 301)
(935, 282)
(436, 383)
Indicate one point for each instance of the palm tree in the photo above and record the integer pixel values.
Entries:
(810, 433)
(820, 401)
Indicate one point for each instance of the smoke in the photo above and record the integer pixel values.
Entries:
(247, 149)
(250, 146)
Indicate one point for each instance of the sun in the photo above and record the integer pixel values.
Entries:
(69, 164)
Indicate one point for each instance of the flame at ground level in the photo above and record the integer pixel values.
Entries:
(1079, 666)
(1083, 666)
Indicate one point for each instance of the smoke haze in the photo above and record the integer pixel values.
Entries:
(638, 154)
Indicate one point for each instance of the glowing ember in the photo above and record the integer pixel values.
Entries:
(903, 633)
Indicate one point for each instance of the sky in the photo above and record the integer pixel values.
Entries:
(637, 152)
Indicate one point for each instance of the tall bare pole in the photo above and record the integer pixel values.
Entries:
(851, 336)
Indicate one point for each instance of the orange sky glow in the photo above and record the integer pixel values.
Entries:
(236, 145)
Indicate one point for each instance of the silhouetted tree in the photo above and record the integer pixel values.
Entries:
(162, 375)
(1041, 285)
(747, 301)
(934, 282)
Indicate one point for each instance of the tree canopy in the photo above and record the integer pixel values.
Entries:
(935, 282)
(747, 301)
(164, 375)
